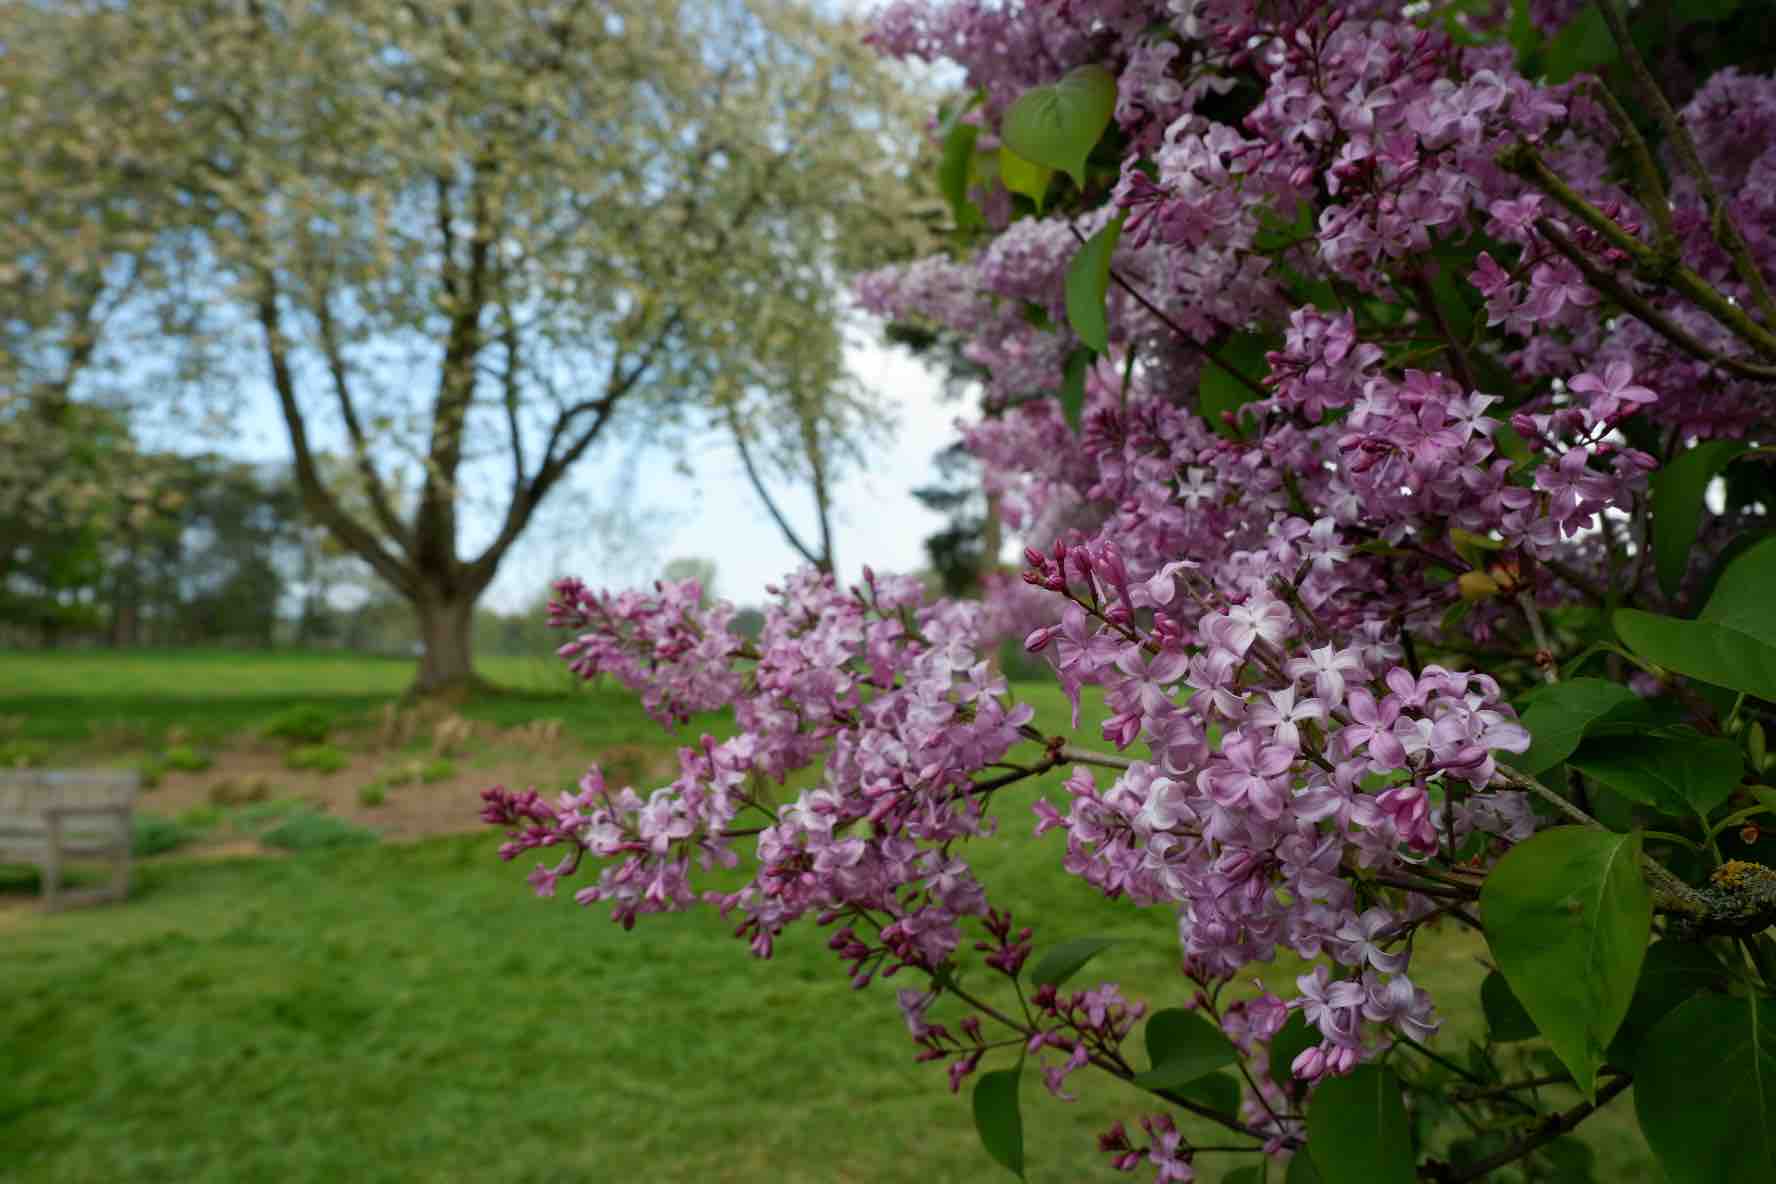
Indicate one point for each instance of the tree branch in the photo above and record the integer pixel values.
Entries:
(758, 487)
(1550, 1129)
(374, 488)
(318, 499)
(1523, 160)
(1721, 225)
(1640, 308)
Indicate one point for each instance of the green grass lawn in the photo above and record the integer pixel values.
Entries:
(412, 1013)
(69, 699)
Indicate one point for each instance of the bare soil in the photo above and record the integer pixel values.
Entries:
(255, 771)
(414, 810)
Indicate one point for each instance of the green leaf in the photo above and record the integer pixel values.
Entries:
(1741, 599)
(1063, 961)
(1088, 279)
(998, 1120)
(1559, 716)
(1573, 1161)
(1073, 384)
(1217, 1091)
(1252, 1173)
(1023, 176)
(1295, 1038)
(1219, 392)
(1275, 233)
(1705, 1090)
(953, 171)
(1708, 10)
(1447, 289)
(1675, 774)
(1678, 491)
(1358, 1129)
(1584, 44)
(1567, 919)
(1059, 124)
(1732, 643)
(1506, 1021)
(1182, 1046)
(1302, 1169)
(1673, 971)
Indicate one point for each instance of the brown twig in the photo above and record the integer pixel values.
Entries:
(1639, 307)
(1547, 1131)
(1720, 218)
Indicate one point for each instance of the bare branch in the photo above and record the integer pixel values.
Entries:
(374, 488)
(764, 494)
(316, 497)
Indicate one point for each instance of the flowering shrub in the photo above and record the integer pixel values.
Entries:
(1382, 399)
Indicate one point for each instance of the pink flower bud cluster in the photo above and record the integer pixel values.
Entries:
(886, 687)
(664, 646)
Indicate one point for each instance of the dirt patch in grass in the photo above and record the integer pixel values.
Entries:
(422, 792)
(420, 799)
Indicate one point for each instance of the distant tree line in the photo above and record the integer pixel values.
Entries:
(216, 552)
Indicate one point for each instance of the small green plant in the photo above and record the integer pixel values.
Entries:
(405, 773)
(201, 817)
(317, 758)
(372, 795)
(187, 759)
(23, 754)
(308, 831)
(300, 725)
(150, 769)
(438, 769)
(256, 817)
(155, 835)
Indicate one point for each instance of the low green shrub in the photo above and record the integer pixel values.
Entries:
(372, 795)
(405, 773)
(438, 769)
(316, 758)
(201, 817)
(308, 831)
(308, 724)
(254, 818)
(186, 758)
(155, 835)
(150, 769)
(23, 754)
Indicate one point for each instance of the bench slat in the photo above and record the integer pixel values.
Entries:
(49, 815)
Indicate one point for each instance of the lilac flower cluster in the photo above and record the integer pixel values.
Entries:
(886, 687)
(1472, 346)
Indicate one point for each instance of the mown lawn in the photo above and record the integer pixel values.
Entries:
(73, 698)
(413, 1013)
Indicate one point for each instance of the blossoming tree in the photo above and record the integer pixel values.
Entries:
(464, 242)
(1385, 393)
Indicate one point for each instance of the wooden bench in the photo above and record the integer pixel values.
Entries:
(48, 817)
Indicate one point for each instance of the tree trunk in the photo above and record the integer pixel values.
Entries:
(447, 661)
